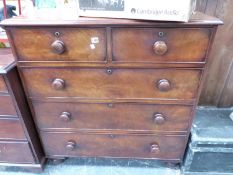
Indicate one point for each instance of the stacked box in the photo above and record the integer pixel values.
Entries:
(210, 149)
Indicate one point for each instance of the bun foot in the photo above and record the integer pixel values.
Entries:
(57, 161)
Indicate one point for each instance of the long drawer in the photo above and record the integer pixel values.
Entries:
(3, 88)
(112, 116)
(7, 107)
(160, 44)
(15, 152)
(11, 129)
(112, 84)
(108, 145)
(60, 44)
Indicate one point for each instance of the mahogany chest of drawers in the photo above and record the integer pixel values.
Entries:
(112, 88)
(19, 142)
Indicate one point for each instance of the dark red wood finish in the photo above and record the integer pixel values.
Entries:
(16, 153)
(7, 125)
(119, 84)
(113, 145)
(107, 116)
(19, 142)
(3, 88)
(7, 106)
(181, 45)
(111, 87)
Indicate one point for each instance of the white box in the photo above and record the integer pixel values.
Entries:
(162, 10)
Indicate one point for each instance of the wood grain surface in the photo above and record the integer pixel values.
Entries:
(120, 84)
(131, 92)
(112, 116)
(11, 129)
(7, 107)
(113, 145)
(3, 88)
(183, 45)
(217, 89)
(83, 45)
(16, 152)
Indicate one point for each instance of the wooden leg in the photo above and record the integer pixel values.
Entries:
(57, 161)
(172, 165)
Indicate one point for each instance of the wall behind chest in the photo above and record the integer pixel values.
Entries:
(217, 89)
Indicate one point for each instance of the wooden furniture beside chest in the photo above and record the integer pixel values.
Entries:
(113, 88)
(19, 142)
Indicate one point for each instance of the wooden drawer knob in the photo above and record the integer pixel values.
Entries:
(163, 85)
(58, 84)
(159, 119)
(160, 47)
(70, 145)
(65, 116)
(58, 47)
(154, 147)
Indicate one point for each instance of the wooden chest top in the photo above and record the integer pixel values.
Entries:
(196, 19)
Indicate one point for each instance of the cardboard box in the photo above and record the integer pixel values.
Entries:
(162, 10)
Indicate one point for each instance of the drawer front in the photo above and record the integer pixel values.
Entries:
(3, 88)
(160, 45)
(104, 145)
(7, 107)
(15, 152)
(60, 44)
(121, 83)
(11, 129)
(92, 116)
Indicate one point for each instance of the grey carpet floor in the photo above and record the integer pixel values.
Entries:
(99, 166)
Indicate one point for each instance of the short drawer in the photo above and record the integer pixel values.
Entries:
(112, 116)
(109, 145)
(160, 44)
(3, 88)
(15, 152)
(11, 129)
(7, 107)
(115, 83)
(60, 44)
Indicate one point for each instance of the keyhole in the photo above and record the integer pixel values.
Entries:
(161, 34)
(57, 34)
(109, 71)
(110, 105)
